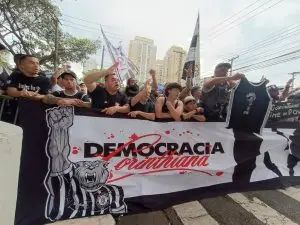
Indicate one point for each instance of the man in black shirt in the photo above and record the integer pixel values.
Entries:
(215, 92)
(108, 98)
(142, 105)
(26, 82)
(70, 95)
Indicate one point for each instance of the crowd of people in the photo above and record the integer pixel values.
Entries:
(193, 103)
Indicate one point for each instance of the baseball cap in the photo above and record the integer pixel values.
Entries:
(223, 65)
(188, 99)
(68, 73)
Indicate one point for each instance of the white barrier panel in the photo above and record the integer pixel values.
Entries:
(10, 147)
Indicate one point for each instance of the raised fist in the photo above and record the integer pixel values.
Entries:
(61, 117)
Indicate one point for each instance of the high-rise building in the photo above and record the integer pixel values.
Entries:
(90, 64)
(160, 72)
(142, 52)
(174, 62)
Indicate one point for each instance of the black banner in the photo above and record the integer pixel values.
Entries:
(285, 110)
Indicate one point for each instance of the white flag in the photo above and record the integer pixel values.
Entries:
(125, 68)
(193, 56)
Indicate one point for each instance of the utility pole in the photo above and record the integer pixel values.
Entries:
(231, 63)
(56, 43)
(293, 76)
(102, 59)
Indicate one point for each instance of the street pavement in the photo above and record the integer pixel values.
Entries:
(272, 207)
(268, 207)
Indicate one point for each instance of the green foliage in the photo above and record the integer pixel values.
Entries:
(28, 26)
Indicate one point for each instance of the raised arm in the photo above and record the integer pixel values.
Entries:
(285, 92)
(154, 82)
(141, 94)
(90, 79)
(219, 80)
(59, 121)
(56, 75)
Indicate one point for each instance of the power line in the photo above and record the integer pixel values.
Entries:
(268, 60)
(269, 39)
(93, 32)
(93, 28)
(287, 57)
(273, 63)
(270, 42)
(216, 26)
(88, 21)
(217, 34)
(279, 50)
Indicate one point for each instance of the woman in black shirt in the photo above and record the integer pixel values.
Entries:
(169, 106)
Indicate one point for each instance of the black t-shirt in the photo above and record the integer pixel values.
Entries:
(39, 84)
(78, 95)
(101, 99)
(148, 107)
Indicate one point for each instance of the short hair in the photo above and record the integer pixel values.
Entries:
(17, 58)
(171, 86)
(194, 89)
(223, 65)
(23, 57)
(107, 76)
(151, 71)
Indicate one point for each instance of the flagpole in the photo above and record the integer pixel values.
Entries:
(199, 50)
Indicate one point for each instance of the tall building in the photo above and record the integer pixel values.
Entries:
(142, 52)
(160, 72)
(174, 62)
(90, 64)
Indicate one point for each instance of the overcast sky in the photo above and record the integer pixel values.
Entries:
(171, 22)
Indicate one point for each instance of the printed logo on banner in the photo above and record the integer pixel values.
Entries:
(76, 189)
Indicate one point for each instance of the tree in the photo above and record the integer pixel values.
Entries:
(28, 26)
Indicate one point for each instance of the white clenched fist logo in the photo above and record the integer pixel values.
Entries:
(60, 117)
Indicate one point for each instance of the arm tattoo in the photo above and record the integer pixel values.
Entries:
(50, 99)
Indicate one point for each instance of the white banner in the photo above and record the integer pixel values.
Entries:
(200, 154)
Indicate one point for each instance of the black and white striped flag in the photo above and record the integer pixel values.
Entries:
(193, 56)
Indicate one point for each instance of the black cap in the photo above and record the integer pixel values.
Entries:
(68, 73)
(2, 47)
(223, 65)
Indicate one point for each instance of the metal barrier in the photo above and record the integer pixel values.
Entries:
(4, 99)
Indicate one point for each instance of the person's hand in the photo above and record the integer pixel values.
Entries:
(236, 76)
(79, 103)
(290, 81)
(69, 102)
(58, 72)
(133, 114)
(113, 68)
(28, 94)
(110, 111)
(38, 97)
(200, 109)
(189, 71)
